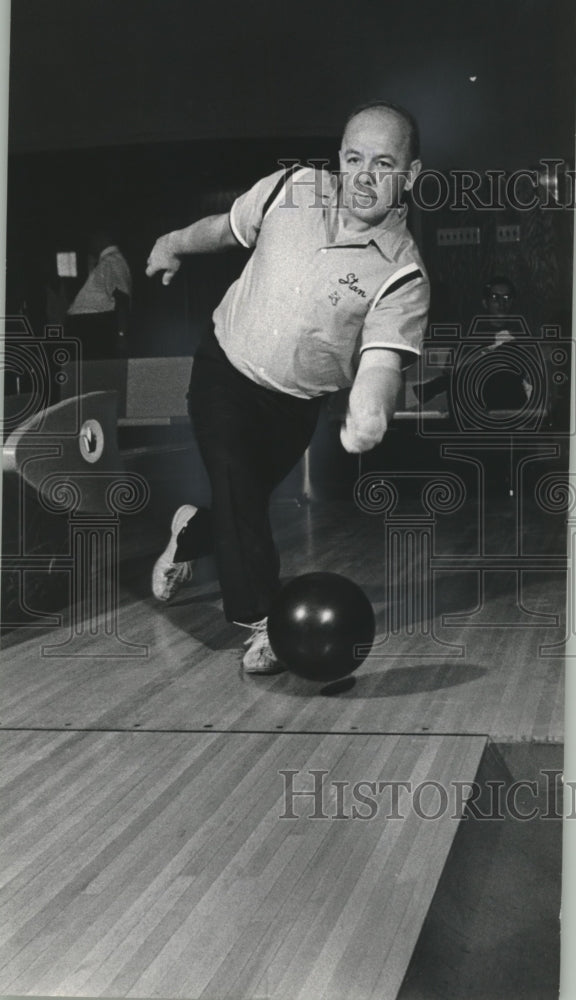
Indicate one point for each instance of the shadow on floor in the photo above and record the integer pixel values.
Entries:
(493, 932)
(392, 683)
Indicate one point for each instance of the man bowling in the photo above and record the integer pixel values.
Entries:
(334, 296)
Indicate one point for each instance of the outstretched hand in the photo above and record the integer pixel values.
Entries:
(163, 258)
(359, 435)
(372, 400)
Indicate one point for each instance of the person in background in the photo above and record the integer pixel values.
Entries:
(334, 295)
(505, 389)
(99, 313)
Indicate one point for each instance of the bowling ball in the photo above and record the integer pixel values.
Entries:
(316, 622)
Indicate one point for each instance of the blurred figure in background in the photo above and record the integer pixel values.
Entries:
(502, 390)
(99, 314)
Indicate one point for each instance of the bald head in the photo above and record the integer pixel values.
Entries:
(389, 115)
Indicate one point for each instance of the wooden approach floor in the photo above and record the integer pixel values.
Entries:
(145, 853)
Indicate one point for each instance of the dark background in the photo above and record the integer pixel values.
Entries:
(149, 114)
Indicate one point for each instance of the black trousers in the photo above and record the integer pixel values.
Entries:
(250, 438)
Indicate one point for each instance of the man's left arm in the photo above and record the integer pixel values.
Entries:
(372, 400)
(392, 334)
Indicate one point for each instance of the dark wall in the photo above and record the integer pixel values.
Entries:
(538, 261)
(116, 72)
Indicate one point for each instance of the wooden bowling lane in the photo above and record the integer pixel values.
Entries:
(159, 864)
(471, 661)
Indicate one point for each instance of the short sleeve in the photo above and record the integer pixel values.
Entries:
(397, 319)
(248, 211)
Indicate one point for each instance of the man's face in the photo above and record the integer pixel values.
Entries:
(376, 166)
(499, 299)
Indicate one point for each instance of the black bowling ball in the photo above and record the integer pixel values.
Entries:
(317, 624)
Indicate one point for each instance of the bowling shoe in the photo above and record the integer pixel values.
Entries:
(259, 658)
(168, 576)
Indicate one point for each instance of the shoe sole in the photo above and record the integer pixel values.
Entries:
(178, 522)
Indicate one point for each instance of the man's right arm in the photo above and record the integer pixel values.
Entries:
(208, 235)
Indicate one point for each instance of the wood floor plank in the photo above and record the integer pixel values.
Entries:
(143, 850)
(202, 887)
(286, 945)
(397, 696)
(504, 686)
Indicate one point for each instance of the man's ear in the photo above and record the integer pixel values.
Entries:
(412, 173)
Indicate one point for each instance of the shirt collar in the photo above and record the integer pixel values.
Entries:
(380, 235)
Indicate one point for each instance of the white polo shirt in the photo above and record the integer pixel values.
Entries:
(110, 274)
(306, 306)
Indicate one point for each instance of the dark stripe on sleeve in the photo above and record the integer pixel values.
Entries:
(401, 281)
(280, 184)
